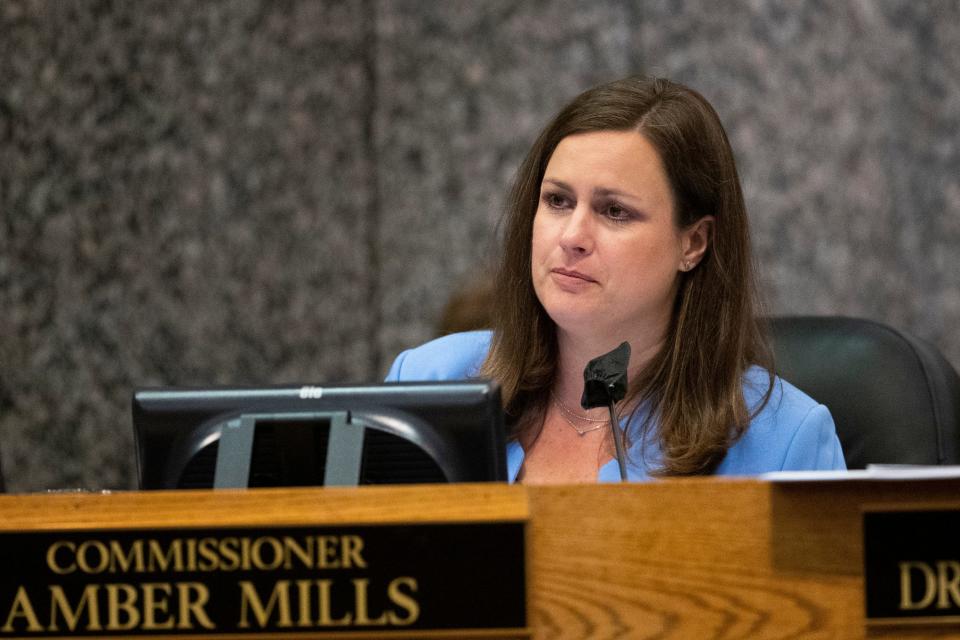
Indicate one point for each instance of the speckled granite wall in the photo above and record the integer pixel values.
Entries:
(252, 192)
(185, 192)
(845, 117)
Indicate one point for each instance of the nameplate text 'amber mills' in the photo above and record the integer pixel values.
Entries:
(383, 578)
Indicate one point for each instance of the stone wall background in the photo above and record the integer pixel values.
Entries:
(277, 191)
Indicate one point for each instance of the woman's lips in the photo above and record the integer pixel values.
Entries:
(570, 278)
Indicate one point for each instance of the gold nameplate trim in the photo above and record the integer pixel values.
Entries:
(438, 634)
(914, 622)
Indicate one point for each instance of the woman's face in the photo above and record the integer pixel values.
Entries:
(606, 251)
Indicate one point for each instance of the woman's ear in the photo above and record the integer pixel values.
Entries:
(694, 241)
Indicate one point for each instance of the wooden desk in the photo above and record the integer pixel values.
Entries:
(694, 558)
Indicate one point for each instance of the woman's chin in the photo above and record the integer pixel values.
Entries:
(577, 322)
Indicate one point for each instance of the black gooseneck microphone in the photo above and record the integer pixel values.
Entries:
(605, 384)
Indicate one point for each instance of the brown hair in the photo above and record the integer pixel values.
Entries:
(693, 387)
(468, 309)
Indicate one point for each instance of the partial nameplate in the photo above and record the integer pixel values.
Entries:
(380, 581)
(912, 567)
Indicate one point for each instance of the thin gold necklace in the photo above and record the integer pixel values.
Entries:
(566, 413)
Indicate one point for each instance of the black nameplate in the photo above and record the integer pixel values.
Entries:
(384, 579)
(912, 567)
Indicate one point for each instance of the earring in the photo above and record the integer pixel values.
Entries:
(687, 265)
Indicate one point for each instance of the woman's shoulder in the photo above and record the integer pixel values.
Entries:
(453, 357)
(792, 431)
(785, 401)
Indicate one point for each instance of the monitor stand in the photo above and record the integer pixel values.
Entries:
(344, 447)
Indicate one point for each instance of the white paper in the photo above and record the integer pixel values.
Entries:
(872, 472)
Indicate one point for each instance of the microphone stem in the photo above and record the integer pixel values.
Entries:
(618, 442)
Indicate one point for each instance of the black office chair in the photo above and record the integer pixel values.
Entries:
(894, 398)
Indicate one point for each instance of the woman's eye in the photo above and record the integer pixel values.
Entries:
(616, 212)
(555, 200)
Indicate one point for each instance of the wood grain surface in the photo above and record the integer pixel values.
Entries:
(693, 558)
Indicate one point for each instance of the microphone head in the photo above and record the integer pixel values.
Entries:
(605, 378)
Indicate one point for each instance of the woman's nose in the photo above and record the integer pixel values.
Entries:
(577, 235)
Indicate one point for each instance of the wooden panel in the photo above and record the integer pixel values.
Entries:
(686, 559)
(708, 558)
(694, 558)
(365, 505)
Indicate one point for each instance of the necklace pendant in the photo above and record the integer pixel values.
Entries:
(568, 415)
(583, 432)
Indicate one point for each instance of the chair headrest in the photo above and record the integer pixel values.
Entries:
(894, 398)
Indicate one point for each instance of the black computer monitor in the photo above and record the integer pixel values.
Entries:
(394, 433)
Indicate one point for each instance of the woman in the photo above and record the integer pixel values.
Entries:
(627, 222)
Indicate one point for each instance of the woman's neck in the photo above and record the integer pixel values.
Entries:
(576, 351)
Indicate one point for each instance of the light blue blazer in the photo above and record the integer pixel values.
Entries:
(791, 433)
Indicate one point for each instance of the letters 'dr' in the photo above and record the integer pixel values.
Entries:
(929, 585)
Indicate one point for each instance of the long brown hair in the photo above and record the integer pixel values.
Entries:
(693, 388)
